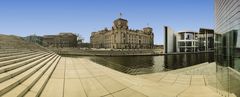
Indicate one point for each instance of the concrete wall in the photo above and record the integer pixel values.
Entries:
(170, 40)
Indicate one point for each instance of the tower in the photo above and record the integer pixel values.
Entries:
(120, 23)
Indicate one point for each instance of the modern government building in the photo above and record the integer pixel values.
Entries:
(121, 37)
(227, 19)
(189, 41)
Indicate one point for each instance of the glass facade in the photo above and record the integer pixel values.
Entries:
(227, 52)
(187, 41)
(228, 62)
(206, 39)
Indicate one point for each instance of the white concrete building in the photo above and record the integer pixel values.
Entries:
(187, 41)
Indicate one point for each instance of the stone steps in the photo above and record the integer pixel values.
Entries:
(8, 62)
(37, 89)
(22, 63)
(14, 53)
(18, 81)
(17, 56)
(7, 75)
(25, 86)
(8, 51)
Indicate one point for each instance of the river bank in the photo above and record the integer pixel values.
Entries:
(107, 52)
(116, 52)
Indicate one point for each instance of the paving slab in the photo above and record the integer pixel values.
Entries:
(54, 88)
(74, 88)
(169, 79)
(83, 73)
(110, 84)
(155, 77)
(198, 80)
(128, 93)
(199, 91)
(58, 74)
(93, 88)
(71, 74)
(108, 95)
(183, 80)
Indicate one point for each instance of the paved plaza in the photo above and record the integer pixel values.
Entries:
(29, 73)
(79, 77)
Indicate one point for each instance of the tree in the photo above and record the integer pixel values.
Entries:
(80, 38)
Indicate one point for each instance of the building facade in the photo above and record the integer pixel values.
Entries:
(170, 40)
(206, 39)
(34, 39)
(190, 41)
(121, 37)
(227, 55)
(60, 40)
(187, 41)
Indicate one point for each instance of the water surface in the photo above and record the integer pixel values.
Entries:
(150, 64)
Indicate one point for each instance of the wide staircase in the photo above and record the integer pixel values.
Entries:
(25, 72)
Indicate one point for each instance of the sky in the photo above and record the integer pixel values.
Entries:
(46, 17)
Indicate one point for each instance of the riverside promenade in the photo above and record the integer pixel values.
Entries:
(29, 70)
(80, 77)
(107, 52)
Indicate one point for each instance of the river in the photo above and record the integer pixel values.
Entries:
(151, 64)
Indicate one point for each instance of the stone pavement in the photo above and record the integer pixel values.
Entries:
(80, 77)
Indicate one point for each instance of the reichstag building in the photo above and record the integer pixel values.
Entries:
(121, 37)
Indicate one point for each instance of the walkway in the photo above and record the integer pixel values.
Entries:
(79, 77)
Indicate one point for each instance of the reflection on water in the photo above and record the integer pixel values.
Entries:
(184, 60)
(132, 64)
(150, 64)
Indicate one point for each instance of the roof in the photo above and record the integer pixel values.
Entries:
(187, 31)
(66, 33)
(120, 19)
(49, 36)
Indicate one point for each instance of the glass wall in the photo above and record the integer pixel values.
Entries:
(227, 57)
(227, 22)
